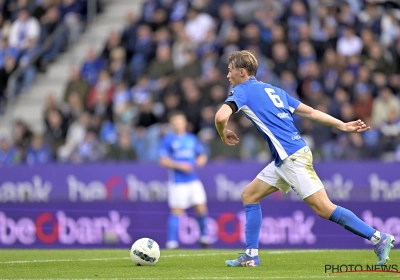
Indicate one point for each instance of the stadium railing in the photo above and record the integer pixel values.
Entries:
(12, 88)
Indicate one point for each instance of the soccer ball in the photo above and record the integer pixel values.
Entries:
(145, 251)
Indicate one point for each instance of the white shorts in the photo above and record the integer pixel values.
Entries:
(296, 172)
(185, 195)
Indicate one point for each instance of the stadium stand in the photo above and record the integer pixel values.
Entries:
(25, 27)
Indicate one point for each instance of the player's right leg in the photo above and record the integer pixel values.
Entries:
(251, 196)
(198, 199)
(173, 228)
(382, 242)
(298, 171)
(178, 201)
(201, 211)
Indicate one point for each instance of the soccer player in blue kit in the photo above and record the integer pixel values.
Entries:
(182, 153)
(270, 110)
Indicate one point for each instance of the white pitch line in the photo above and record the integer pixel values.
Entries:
(251, 277)
(228, 277)
(63, 260)
(195, 255)
(294, 251)
(166, 256)
(261, 277)
(110, 259)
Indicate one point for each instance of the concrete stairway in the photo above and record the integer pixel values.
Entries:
(29, 106)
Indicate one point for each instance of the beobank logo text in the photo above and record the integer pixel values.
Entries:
(228, 228)
(59, 228)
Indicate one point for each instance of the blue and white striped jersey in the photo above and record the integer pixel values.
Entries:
(270, 110)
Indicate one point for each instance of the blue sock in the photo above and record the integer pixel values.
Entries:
(173, 227)
(253, 225)
(202, 225)
(351, 222)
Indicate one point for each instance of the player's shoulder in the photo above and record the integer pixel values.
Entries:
(238, 89)
(271, 86)
(276, 89)
(260, 84)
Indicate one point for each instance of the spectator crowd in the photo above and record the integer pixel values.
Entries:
(24, 27)
(341, 57)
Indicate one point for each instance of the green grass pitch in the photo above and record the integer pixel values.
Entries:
(185, 264)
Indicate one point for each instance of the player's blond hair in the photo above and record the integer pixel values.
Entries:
(244, 59)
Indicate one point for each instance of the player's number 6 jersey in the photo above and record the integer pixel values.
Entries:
(270, 110)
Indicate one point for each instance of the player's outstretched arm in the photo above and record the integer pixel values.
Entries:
(201, 160)
(221, 121)
(308, 112)
(169, 163)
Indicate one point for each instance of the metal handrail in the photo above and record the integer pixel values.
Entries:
(12, 81)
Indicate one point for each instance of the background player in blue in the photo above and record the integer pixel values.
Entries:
(182, 153)
(270, 110)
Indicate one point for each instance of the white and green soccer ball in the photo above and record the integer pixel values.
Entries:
(145, 252)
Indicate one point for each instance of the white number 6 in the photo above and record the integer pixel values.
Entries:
(274, 98)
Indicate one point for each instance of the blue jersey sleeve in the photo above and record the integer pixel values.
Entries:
(292, 102)
(165, 147)
(238, 96)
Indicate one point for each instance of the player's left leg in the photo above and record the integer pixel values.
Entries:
(178, 201)
(251, 197)
(321, 204)
(201, 211)
(198, 199)
(173, 228)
